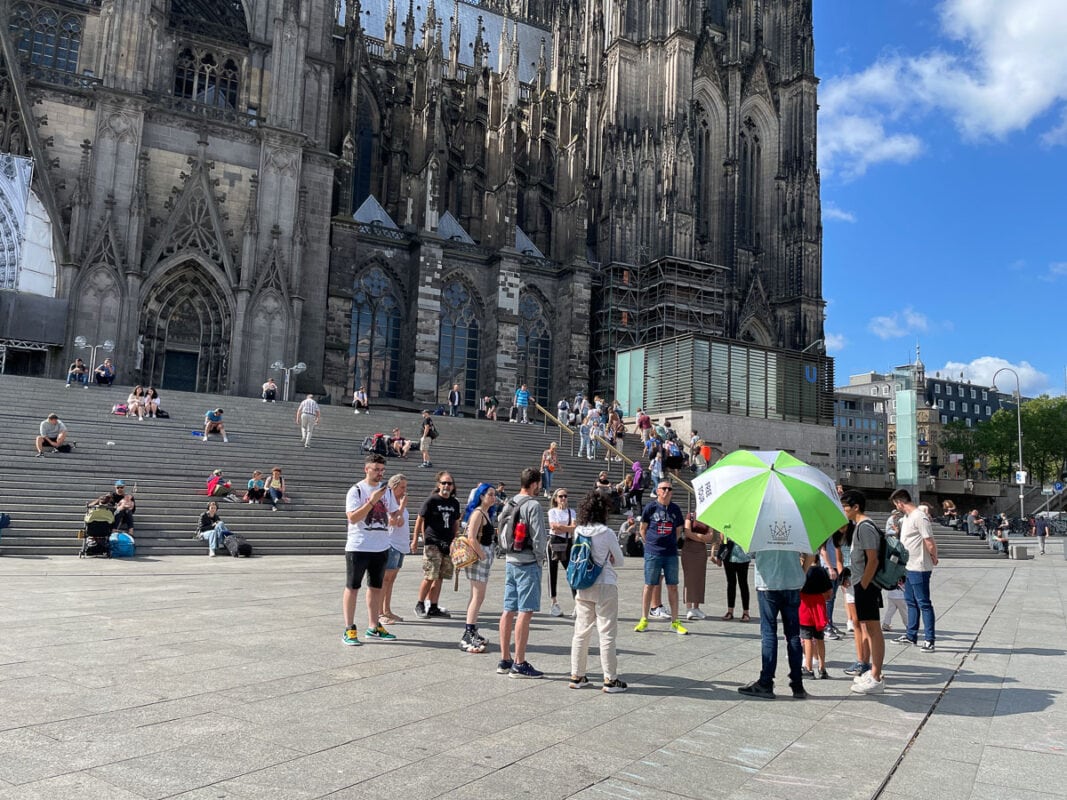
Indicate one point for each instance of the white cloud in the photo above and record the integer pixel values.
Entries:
(1005, 67)
(980, 372)
(832, 212)
(835, 342)
(1056, 271)
(899, 324)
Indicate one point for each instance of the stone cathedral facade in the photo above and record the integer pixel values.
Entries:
(410, 194)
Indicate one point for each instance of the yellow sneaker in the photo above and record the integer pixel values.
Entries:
(642, 625)
(680, 629)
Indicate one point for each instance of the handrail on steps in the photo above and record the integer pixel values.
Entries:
(626, 462)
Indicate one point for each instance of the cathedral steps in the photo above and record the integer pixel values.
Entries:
(169, 465)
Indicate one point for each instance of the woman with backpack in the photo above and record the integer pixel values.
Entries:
(481, 533)
(598, 604)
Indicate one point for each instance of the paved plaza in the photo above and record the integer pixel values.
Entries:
(196, 678)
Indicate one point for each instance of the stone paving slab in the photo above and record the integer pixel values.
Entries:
(196, 678)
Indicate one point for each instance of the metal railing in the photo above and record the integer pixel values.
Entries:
(563, 427)
(624, 460)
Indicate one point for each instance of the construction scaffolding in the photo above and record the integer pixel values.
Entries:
(635, 305)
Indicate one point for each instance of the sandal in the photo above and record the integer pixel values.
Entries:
(728, 615)
(745, 617)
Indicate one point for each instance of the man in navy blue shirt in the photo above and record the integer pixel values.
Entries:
(660, 523)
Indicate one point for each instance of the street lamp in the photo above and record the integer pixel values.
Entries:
(82, 343)
(1019, 423)
(296, 369)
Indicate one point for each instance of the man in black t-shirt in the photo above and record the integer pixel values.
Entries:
(438, 522)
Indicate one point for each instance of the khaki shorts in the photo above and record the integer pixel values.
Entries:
(436, 566)
(424, 444)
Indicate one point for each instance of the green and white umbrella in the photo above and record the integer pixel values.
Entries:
(769, 500)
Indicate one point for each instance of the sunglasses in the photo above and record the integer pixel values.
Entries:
(446, 483)
(561, 496)
(664, 489)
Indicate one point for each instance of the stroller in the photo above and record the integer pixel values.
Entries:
(96, 536)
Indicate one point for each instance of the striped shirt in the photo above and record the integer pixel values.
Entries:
(309, 406)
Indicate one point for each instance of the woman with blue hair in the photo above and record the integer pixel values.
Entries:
(481, 532)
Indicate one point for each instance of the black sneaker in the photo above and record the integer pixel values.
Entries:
(926, 646)
(757, 690)
(504, 665)
(798, 692)
(434, 611)
(614, 687)
(524, 669)
(823, 674)
(807, 673)
(420, 610)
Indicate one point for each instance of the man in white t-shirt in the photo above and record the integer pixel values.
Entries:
(916, 535)
(370, 508)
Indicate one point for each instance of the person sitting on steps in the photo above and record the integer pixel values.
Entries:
(218, 486)
(53, 434)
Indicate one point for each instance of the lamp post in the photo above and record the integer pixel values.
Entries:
(1019, 423)
(81, 343)
(296, 369)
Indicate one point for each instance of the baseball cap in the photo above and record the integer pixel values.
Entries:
(120, 482)
(216, 472)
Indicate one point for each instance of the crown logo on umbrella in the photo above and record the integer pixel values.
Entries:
(780, 531)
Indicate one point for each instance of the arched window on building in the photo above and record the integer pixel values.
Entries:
(374, 347)
(46, 37)
(535, 349)
(457, 354)
(201, 76)
(751, 180)
(702, 184)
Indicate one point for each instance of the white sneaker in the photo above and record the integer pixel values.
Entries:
(868, 686)
(556, 611)
(695, 613)
(210, 553)
(848, 627)
(357, 410)
(660, 613)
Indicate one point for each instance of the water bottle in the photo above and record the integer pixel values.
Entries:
(520, 534)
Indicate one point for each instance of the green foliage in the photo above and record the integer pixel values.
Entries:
(1044, 428)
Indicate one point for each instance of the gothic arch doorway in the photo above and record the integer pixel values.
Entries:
(187, 327)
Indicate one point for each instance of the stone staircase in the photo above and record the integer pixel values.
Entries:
(169, 465)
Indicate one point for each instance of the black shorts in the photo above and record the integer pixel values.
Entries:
(358, 563)
(868, 603)
(809, 632)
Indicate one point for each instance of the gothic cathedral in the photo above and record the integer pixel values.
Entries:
(411, 194)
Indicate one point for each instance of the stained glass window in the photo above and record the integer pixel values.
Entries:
(375, 342)
(458, 349)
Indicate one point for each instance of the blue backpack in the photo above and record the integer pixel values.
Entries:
(582, 571)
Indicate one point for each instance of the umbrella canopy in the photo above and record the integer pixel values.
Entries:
(769, 500)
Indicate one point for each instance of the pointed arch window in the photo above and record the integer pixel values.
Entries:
(751, 178)
(201, 76)
(457, 354)
(46, 37)
(375, 338)
(703, 183)
(535, 348)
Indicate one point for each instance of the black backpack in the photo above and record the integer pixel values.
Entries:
(634, 547)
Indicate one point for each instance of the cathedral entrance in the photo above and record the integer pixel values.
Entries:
(187, 324)
(179, 370)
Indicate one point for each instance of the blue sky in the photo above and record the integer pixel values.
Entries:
(943, 154)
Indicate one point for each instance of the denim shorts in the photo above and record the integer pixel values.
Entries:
(522, 587)
(655, 566)
(395, 559)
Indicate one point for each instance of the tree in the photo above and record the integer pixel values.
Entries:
(957, 438)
